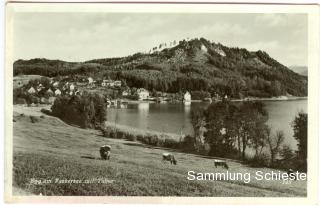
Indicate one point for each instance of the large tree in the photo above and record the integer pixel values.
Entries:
(232, 127)
(300, 129)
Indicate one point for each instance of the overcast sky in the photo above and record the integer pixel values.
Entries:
(86, 36)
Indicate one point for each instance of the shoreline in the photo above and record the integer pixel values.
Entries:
(232, 100)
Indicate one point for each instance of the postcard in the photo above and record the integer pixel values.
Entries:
(161, 103)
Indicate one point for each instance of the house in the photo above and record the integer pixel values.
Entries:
(187, 97)
(90, 80)
(49, 91)
(71, 87)
(125, 93)
(44, 100)
(40, 87)
(109, 83)
(51, 100)
(117, 83)
(143, 94)
(55, 84)
(32, 90)
(57, 92)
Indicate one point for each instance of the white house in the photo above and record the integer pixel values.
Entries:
(90, 80)
(109, 83)
(117, 83)
(143, 94)
(32, 90)
(49, 91)
(125, 93)
(187, 97)
(57, 92)
(40, 87)
(71, 87)
(55, 84)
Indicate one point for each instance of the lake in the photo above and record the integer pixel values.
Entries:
(175, 118)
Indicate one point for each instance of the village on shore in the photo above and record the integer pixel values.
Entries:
(44, 90)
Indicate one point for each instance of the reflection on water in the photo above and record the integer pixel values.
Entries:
(175, 118)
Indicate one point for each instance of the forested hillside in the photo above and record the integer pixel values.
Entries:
(195, 65)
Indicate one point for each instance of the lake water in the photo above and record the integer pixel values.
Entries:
(175, 118)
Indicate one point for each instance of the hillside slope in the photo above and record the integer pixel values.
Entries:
(51, 149)
(196, 65)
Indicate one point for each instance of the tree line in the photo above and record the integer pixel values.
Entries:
(230, 129)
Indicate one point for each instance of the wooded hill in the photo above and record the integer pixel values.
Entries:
(195, 65)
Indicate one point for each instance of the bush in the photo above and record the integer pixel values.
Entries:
(188, 143)
(140, 138)
(45, 111)
(259, 161)
(20, 101)
(131, 137)
(34, 119)
(170, 143)
(86, 111)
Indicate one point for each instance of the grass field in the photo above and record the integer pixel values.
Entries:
(21, 80)
(49, 149)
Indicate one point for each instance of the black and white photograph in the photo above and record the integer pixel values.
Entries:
(160, 102)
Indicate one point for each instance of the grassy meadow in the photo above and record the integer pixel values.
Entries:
(44, 147)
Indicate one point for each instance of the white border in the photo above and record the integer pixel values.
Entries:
(313, 100)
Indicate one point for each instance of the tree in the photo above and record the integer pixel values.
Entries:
(232, 127)
(252, 119)
(86, 111)
(198, 123)
(274, 143)
(300, 129)
(286, 152)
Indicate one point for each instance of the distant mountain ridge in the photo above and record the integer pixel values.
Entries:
(194, 65)
(302, 70)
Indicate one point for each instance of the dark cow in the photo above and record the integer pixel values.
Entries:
(169, 157)
(105, 152)
(222, 163)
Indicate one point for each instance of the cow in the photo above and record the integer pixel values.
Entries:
(105, 152)
(169, 157)
(222, 163)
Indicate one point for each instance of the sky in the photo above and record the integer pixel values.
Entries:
(87, 36)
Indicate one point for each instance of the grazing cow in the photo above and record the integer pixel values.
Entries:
(105, 152)
(169, 157)
(222, 163)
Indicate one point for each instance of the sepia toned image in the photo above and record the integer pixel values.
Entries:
(114, 101)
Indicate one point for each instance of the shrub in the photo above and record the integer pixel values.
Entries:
(259, 161)
(87, 110)
(170, 143)
(131, 137)
(45, 111)
(34, 119)
(139, 137)
(20, 101)
(188, 143)
(153, 140)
